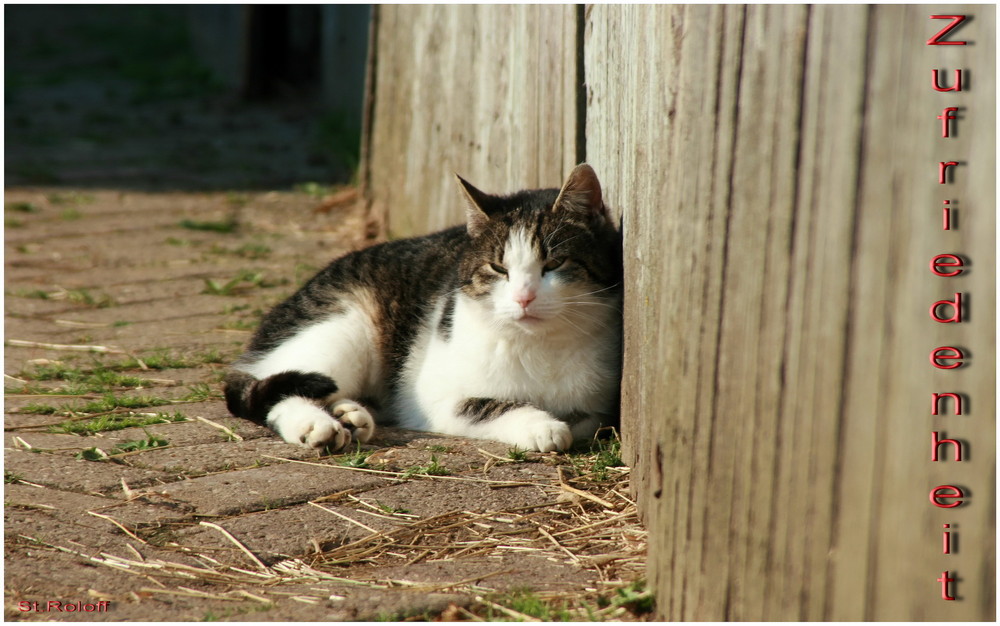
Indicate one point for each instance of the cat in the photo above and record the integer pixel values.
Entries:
(507, 328)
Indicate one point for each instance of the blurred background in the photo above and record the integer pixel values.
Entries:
(194, 97)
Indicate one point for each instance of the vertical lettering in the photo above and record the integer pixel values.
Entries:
(941, 493)
(936, 443)
(946, 260)
(943, 170)
(956, 310)
(946, 353)
(937, 84)
(945, 116)
(944, 580)
(955, 21)
(936, 400)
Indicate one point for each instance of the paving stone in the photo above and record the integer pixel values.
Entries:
(21, 495)
(76, 475)
(216, 457)
(285, 533)
(241, 491)
(50, 442)
(503, 574)
(429, 497)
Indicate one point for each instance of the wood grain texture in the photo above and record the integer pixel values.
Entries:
(488, 92)
(776, 167)
(775, 170)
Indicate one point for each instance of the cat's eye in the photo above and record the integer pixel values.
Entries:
(552, 264)
(499, 269)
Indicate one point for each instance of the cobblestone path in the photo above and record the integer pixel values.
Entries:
(131, 494)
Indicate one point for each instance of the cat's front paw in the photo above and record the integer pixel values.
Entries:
(533, 429)
(302, 423)
(356, 418)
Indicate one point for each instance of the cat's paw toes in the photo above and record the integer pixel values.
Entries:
(551, 435)
(533, 429)
(356, 417)
(301, 422)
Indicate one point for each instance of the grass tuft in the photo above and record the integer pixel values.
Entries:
(115, 421)
(225, 226)
(358, 458)
(516, 454)
(434, 468)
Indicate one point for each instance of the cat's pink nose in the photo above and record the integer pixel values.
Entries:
(525, 298)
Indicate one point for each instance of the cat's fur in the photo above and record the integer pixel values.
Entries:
(508, 328)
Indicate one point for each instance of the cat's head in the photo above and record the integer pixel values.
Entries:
(544, 259)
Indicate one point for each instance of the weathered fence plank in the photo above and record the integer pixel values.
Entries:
(488, 92)
(777, 171)
(775, 168)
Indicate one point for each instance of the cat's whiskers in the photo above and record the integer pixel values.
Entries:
(590, 293)
(614, 308)
(598, 321)
(548, 238)
(564, 242)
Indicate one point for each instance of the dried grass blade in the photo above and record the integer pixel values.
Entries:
(546, 534)
(508, 612)
(588, 496)
(344, 517)
(239, 545)
(119, 525)
(228, 431)
(61, 346)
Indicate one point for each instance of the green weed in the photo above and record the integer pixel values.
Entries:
(636, 598)
(434, 468)
(38, 294)
(516, 454)
(200, 392)
(81, 381)
(528, 603)
(11, 478)
(91, 454)
(75, 198)
(225, 226)
(358, 458)
(177, 241)
(22, 207)
(83, 296)
(391, 510)
(213, 356)
(135, 445)
(108, 403)
(242, 282)
(607, 453)
(117, 421)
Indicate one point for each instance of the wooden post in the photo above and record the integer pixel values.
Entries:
(776, 172)
(488, 92)
(777, 168)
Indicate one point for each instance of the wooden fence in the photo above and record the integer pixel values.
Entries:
(776, 171)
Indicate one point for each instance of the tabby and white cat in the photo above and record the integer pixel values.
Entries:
(507, 328)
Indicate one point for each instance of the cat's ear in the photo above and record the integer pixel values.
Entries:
(477, 207)
(581, 193)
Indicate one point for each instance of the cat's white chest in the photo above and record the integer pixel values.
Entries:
(480, 361)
